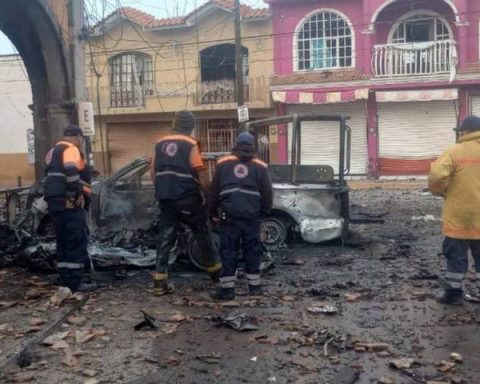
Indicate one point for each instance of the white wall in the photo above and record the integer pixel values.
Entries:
(15, 96)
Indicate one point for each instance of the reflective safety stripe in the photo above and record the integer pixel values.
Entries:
(227, 279)
(160, 276)
(241, 190)
(230, 284)
(454, 276)
(454, 279)
(454, 284)
(56, 174)
(66, 265)
(253, 279)
(163, 173)
(70, 164)
(71, 179)
(214, 268)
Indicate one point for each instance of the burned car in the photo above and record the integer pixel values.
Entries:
(311, 202)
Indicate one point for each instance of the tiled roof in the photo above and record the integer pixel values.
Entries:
(333, 76)
(150, 22)
(135, 15)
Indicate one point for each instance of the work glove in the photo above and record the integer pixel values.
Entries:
(80, 202)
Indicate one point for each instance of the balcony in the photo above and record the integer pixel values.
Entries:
(131, 97)
(414, 59)
(172, 96)
(219, 92)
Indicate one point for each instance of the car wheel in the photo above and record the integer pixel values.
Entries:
(194, 253)
(273, 232)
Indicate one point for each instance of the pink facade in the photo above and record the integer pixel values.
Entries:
(371, 23)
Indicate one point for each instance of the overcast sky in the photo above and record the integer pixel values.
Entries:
(158, 8)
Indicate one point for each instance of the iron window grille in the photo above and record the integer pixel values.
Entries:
(324, 42)
(131, 79)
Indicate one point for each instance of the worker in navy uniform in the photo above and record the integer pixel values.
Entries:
(67, 192)
(181, 185)
(241, 193)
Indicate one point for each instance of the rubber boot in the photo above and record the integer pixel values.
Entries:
(255, 290)
(224, 294)
(161, 285)
(451, 297)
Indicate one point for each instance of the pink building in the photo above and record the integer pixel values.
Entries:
(406, 71)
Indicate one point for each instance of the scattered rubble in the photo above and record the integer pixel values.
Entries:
(403, 363)
(237, 320)
(384, 328)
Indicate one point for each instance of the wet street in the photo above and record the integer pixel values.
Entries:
(330, 314)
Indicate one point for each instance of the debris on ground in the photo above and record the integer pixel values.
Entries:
(403, 363)
(393, 316)
(346, 375)
(328, 309)
(62, 294)
(237, 320)
(456, 357)
(210, 358)
(425, 218)
(147, 322)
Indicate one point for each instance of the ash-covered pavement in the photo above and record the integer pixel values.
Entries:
(381, 296)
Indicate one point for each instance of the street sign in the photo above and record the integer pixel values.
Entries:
(86, 119)
(243, 114)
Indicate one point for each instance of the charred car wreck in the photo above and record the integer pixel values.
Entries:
(311, 202)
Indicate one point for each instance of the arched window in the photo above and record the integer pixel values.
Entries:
(131, 79)
(419, 28)
(324, 41)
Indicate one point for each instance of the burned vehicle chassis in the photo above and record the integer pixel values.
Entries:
(311, 199)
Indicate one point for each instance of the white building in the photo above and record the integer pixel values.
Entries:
(15, 122)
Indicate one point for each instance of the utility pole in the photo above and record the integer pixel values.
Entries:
(239, 60)
(77, 58)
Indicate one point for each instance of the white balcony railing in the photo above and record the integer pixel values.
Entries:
(414, 59)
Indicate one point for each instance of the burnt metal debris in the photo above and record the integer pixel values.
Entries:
(237, 320)
(148, 321)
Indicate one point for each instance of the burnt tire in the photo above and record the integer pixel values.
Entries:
(194, 253)
(273, 231)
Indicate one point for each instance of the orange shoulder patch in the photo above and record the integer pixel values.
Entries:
(259, 162)
(188, 139)
(226, 158)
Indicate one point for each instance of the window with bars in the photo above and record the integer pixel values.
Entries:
(324, 42)
(421, 28)
(131, 79)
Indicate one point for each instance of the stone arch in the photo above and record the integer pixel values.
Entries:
(33, 28)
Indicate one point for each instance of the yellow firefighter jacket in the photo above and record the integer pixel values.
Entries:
(456, 176)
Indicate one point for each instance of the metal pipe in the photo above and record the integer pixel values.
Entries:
(341, 165)
(295, 129)
(299, 143)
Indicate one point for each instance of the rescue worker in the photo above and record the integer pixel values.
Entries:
(241, 193)
(67, 192)
(181, 186)
(455, 176)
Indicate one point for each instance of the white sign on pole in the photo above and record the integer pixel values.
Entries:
(31, 146)
(86, 119)
(243, 114)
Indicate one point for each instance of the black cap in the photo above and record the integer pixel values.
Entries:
(471, 123)
(184, 121)
(245, 138)
(72, 130)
